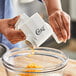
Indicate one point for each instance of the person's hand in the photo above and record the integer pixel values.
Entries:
(7, 27)
(60, 22)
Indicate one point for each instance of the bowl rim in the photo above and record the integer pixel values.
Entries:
(59, 66)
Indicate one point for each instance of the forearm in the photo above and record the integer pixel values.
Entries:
(52, 5)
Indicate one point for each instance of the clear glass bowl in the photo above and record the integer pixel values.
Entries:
(50, 62)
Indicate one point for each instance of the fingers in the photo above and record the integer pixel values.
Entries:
(14, 36)
(61, 26)
(66, 23)
(55, 27)
(18, 36)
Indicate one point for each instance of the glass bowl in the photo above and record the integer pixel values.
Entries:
(44, 62)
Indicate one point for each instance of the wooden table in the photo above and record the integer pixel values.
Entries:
(70, 70)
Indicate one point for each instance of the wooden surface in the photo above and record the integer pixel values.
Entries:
(70, 69)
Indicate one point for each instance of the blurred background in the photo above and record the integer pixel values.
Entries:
(31, 6)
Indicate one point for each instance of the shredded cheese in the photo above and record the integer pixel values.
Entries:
(32, 65)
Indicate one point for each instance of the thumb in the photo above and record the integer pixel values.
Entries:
(13, 20)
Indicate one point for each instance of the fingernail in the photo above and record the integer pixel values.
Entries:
(61, 39)
(69, 37)
(65, 41)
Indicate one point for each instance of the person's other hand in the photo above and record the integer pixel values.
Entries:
(7, 27)
(60, 22)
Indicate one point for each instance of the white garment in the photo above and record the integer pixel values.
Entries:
(30, 8)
